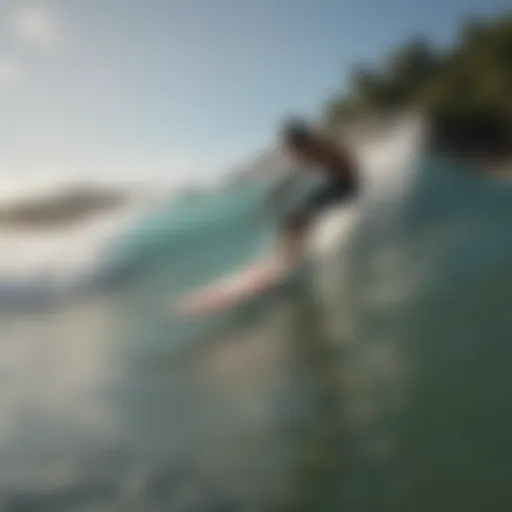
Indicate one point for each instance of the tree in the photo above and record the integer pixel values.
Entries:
(474, 75)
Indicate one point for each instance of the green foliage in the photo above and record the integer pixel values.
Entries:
(475, 74)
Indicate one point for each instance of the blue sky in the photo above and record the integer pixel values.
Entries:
(182, 89)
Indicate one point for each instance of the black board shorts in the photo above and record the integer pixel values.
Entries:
(332, 193)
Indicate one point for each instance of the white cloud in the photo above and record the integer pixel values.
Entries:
(9, 72)
(37, 26)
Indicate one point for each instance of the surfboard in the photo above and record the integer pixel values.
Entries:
(232, 290)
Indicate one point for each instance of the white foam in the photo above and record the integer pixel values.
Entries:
(27, 255)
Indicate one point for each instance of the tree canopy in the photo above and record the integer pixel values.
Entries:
(473, 75)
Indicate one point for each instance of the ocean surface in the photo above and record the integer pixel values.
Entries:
(110, 402)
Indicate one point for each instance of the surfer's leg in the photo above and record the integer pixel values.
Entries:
(297, 224)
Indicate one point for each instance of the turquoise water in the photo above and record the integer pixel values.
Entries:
(209, 234)
(187, 245)
(220, 231)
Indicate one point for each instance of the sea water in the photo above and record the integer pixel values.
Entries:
(110, 402)
(379, 379)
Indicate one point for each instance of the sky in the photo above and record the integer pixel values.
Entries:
(181, 90)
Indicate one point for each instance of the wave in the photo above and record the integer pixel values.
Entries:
(53, 235)
(52, 245)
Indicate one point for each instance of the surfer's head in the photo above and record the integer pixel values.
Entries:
(297, 135)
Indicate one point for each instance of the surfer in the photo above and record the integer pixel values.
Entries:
(338, 166)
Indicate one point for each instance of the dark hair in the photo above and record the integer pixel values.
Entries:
(296, 132)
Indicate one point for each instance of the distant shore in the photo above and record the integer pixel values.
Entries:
(65, 207)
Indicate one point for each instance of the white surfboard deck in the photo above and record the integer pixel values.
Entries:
(232, 289)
